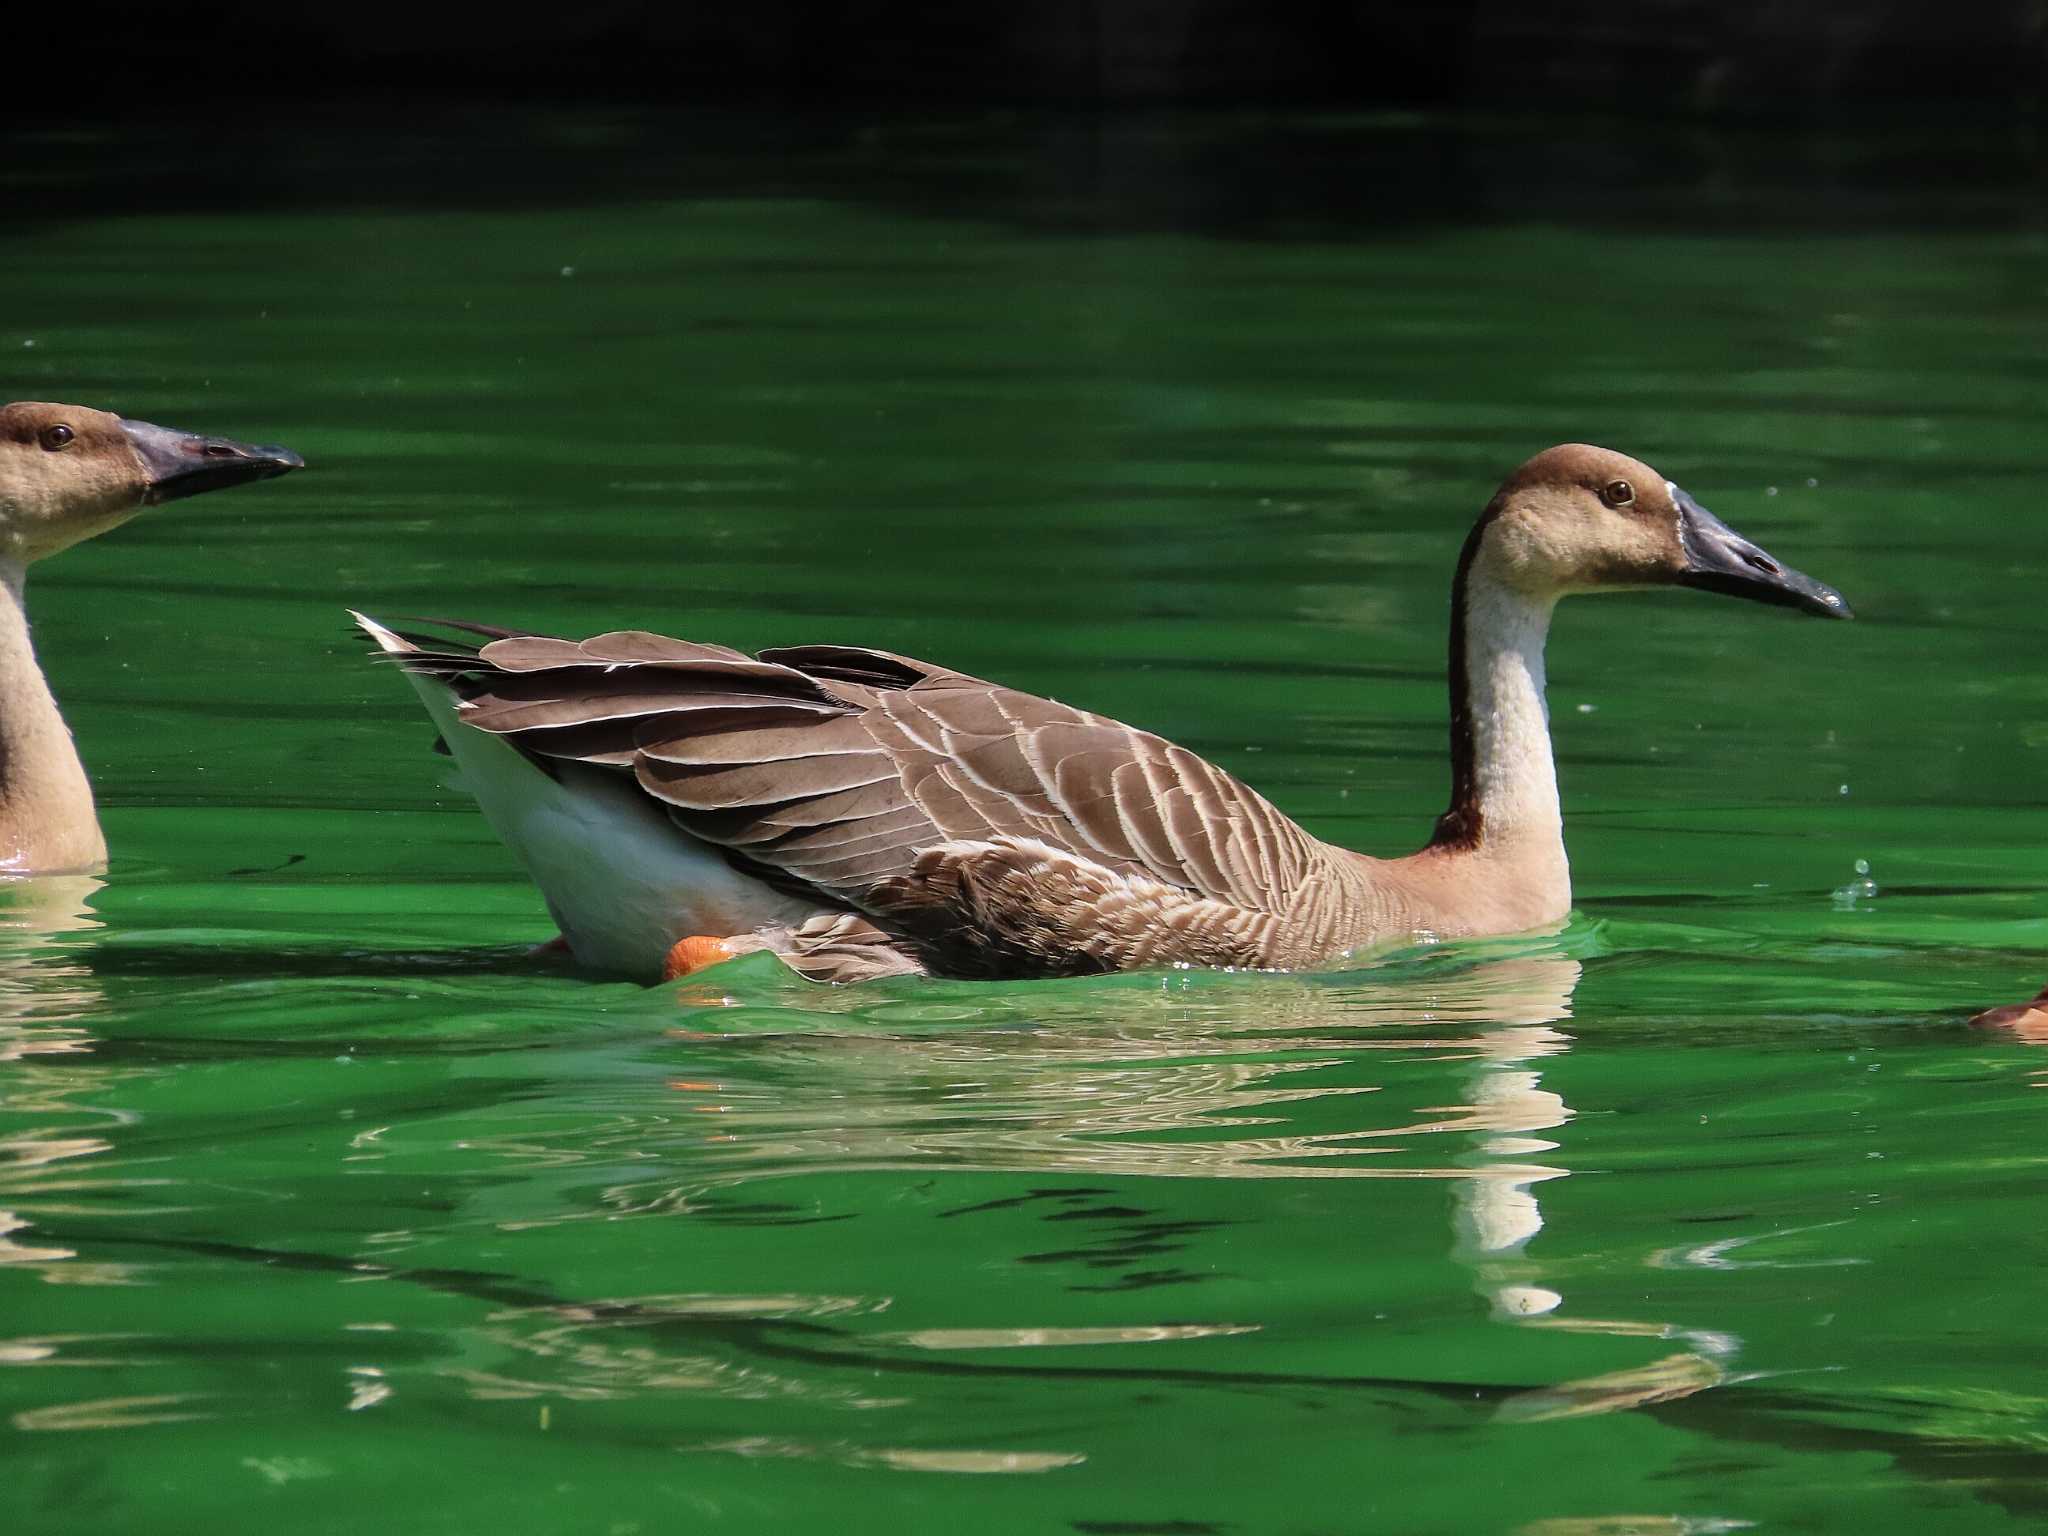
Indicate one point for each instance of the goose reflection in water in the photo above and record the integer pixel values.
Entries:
(1089, 1080)
(1498, 1213)
(1103, 1081)
(1077, 1085)
(44, 994)
(46, 998)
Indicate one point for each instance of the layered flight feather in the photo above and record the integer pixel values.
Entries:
(986, 830)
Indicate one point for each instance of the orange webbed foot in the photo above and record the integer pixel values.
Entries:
(691, 955)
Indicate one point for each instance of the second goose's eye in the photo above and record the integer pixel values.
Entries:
(56, 437)
(1618, 493)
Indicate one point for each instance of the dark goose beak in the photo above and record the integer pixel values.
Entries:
(1719, 559)
(184, 464)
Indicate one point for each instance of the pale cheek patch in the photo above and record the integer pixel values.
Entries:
(1553, 544)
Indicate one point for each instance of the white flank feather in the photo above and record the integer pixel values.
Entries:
(621, 880)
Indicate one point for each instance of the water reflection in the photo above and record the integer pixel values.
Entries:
(45, 995)
(47, 998)
(903, 1458)
(1438, 1067)
(1499, 1214)
(609, 1352)
(1189, 1078)
(1076, 1087)
(1176, 1080)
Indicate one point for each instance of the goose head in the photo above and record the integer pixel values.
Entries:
(1581, 519)
(68, 472)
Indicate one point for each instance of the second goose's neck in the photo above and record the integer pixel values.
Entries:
(47, 821)
(1503, 779)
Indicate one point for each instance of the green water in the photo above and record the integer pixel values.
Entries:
(330, 1211)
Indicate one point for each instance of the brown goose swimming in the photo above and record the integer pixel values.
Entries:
(859, 813)
(68, 472)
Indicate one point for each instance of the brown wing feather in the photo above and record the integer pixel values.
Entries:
(838, 767)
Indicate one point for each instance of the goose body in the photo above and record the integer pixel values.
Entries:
(861, 813)
(67, 473)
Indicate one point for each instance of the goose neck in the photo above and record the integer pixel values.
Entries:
(47, 820)
(1503, 777)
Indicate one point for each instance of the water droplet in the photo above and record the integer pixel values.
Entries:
(1861, 889)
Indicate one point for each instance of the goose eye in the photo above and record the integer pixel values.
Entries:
(1618, 493)
(53, 438)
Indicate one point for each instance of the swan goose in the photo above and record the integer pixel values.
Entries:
(67, 473)
(860, 813)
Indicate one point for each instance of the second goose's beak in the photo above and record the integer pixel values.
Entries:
(184, 464)
(1719, 559)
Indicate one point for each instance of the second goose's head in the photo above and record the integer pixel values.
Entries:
(1578, 518)
(68, 472)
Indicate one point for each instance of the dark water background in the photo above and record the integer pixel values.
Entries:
(322, 1207)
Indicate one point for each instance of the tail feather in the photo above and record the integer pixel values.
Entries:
(622, 881)
(390, 640)
(428, 655)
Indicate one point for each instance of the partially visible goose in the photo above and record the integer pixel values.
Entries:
(859, 813)
(68, 472)
(2026, 1021)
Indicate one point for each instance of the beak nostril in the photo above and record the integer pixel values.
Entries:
(1762, 563)
(220, 451)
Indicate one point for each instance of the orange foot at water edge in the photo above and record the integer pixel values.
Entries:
(691, 955)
